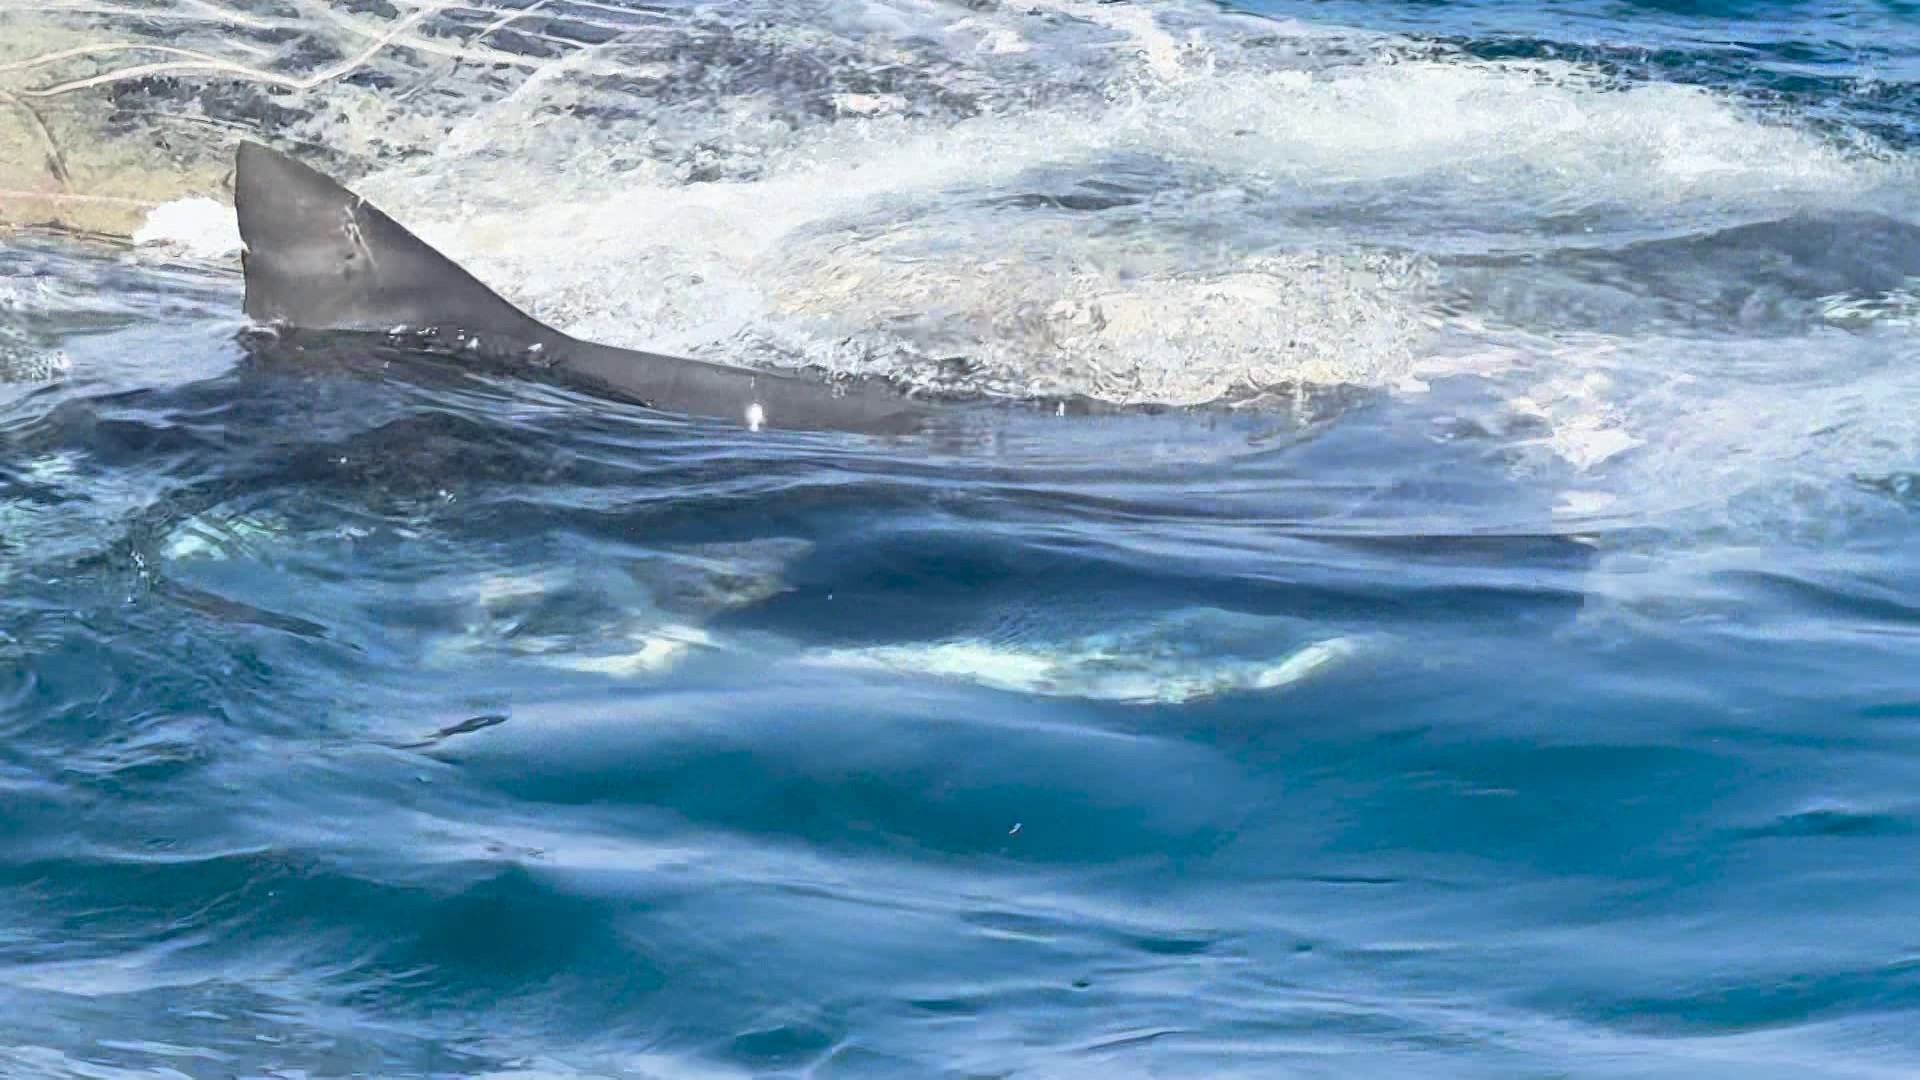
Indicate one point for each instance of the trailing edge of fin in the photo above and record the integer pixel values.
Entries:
(320, 257)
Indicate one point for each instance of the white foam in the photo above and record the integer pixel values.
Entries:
(859, 241)
(197, 227)
(1548, 134)
(1717, 434)
(23, 360)
(1034, 303)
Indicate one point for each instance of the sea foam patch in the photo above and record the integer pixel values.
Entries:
(197, 228)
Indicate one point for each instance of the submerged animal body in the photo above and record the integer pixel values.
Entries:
(318, 257)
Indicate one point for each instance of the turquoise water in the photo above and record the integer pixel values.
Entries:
(1521, 677)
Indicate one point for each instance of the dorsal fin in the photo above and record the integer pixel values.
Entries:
(319, 257)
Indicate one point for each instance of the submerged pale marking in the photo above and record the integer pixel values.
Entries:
(653, 653)
(214, 537)
(647, 632)
(1082, 670)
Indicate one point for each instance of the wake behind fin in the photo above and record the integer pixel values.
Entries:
(320, 257)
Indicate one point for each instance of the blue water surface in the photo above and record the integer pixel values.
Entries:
(369, 719)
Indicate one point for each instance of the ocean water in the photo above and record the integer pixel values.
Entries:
(1491, 648)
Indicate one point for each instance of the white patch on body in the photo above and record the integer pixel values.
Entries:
(1093, 670)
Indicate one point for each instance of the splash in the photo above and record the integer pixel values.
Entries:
(1159, 203)
(193, 228)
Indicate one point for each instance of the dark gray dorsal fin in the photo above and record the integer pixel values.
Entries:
(320, 257)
